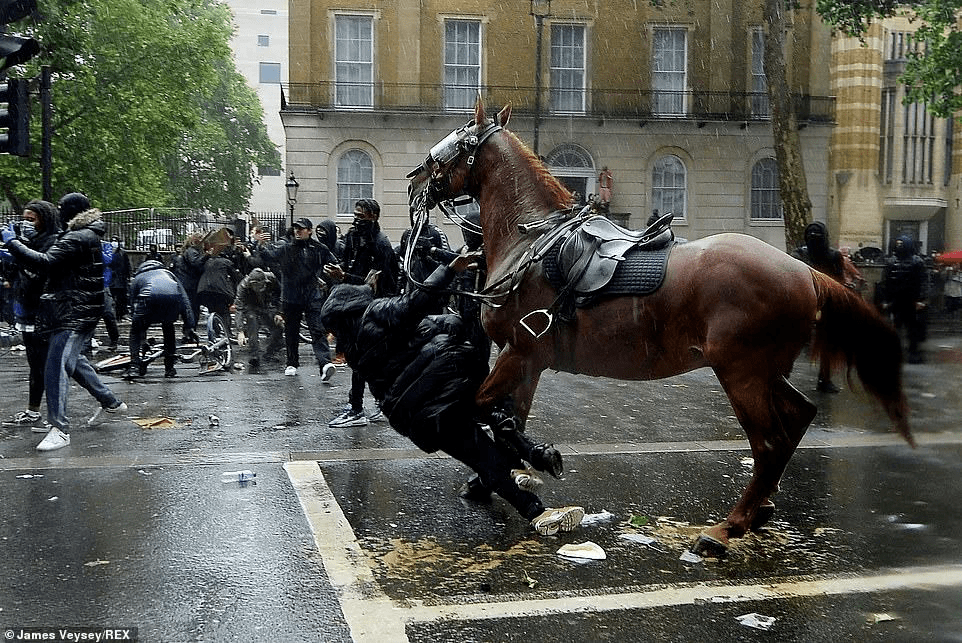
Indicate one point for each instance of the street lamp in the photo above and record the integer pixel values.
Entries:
(291, 186)
(540, 9)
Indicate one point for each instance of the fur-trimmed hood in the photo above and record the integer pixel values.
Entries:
(92, 218)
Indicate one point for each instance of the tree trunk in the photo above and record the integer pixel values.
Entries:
(792, 185)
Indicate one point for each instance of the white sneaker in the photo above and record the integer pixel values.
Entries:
(377, 416)
(55, 439)
(551, 521)
(102, 413)
(526, 480)
(290, 371)
(349, 418)
(327, 372)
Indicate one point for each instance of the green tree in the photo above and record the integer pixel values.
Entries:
(933, 74)
(138, 86)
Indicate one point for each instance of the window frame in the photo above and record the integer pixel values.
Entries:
(354, 93)
(674, 97)
(657, 198)
(450, 91)
(577, 90)
(270, 80)
(349, 191)
(767, 189)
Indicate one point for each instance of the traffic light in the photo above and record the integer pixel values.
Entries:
(15, 117)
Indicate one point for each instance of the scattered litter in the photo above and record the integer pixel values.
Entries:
(911, 526)
(718, 599)
(757, 621)
(881, 617)
(638, 521)
(690, 557)
(586, 550)
(748, 462)
(928, 395)
(95, 563)
(592, 519)
(27, 476)
(531, 583)
(641, 539)
(154, 422)
(213, 420)
(53, 498)
(144, 473)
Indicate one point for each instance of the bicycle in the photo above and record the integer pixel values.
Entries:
(216, 355)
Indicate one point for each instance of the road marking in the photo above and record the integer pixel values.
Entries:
(373, 616)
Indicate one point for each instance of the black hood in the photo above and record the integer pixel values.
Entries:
(70, 205)
(47, 213)
(326, 232)
(906, 249)
(342, 312)
(816, 239)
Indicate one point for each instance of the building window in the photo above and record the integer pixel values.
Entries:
(918, 144)
(949, 132)
(269, 12)
(668, 181)
(355, 180)
(886, 147)
(354, 61)
(263, 41)
(766, 200)
(266, 170)
(462, 63)
(669, 70)
(270, 73)
(573, 166)
(760, 105)
(568, 68)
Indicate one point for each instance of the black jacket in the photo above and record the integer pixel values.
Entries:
(156, 295)
(188, 267)
(419, 365)
(73, 297)
(363, 254)
(301, 263)
(30, 283)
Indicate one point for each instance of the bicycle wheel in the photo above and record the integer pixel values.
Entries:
(219, 353)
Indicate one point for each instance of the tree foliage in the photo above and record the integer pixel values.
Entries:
(148, 108)
(933, 74)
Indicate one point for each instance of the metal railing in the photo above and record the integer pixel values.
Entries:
(640, 104)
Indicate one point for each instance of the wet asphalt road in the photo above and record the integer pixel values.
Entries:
(356, 535)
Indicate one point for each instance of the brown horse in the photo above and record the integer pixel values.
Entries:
(729, 302)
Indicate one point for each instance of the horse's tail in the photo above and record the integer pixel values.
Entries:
(849, 331)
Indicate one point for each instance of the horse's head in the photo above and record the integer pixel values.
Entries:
(446, 171)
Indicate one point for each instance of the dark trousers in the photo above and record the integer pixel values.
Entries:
(36, 345)
(293, 314)
(138, 335)
(120, 302)
(461, 436)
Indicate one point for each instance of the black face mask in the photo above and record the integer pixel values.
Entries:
(364, 227)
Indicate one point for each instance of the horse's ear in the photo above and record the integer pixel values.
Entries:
(504, 115)
(478, 110)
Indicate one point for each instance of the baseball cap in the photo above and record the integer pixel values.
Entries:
(304, 223)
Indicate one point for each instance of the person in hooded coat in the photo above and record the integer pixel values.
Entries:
(38, 231)
(70, 306)
(819, 255)
(426, 371)
(905, 294)
(156, 297)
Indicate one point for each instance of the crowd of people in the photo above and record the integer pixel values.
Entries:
(422, 364)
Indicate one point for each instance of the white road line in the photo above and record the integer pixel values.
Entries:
(372, 616)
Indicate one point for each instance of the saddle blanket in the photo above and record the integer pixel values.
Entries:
(641, 273)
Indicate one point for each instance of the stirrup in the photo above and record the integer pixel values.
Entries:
(542, 311)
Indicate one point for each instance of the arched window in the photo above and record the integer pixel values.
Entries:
(766, 203)
(355, 180)
(573, 166)
(668, 186)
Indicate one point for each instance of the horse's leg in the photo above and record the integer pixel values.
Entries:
(512, 382)
(774, 416)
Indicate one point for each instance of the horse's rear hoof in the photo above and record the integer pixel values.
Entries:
(708, 547)
(763, 514)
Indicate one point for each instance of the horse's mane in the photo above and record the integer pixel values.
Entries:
(555, 191)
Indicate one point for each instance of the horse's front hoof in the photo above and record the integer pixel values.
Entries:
(708, 547)
(763, 514)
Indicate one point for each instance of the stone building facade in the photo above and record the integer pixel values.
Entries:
(670, 98)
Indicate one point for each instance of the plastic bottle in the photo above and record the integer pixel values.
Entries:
(238, 476)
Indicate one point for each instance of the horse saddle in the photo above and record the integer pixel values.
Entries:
(590, 255)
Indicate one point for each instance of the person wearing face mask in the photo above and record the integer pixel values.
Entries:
(367, 251)
(119, 277)
(70, 306)
(38, 231)
(905, 294)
